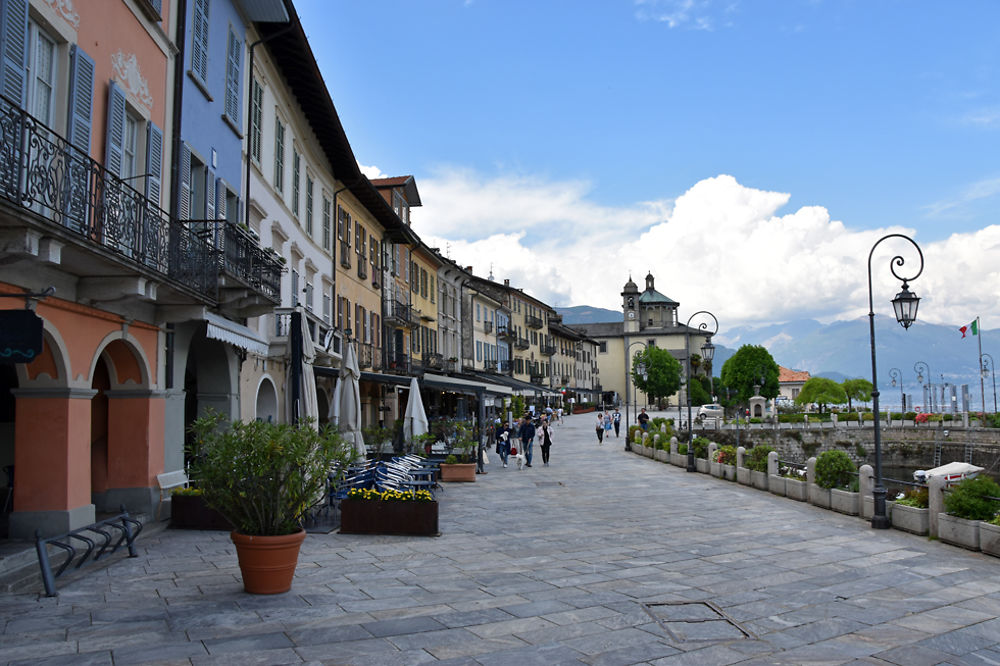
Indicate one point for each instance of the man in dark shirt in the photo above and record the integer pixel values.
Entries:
(527, 434)
(643, 419)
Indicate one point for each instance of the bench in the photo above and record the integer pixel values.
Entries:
(167, 482)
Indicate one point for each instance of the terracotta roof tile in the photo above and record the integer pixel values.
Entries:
(786, 375)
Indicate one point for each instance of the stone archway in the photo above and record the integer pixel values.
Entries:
(266, 406)
(210, 384)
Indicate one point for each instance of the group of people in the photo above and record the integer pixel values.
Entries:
(527, 430)
(608, 420)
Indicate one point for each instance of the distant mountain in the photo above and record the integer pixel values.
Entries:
(584, 314)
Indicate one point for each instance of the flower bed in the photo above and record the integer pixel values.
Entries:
(391, 512)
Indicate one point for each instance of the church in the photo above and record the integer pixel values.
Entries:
(649, 319)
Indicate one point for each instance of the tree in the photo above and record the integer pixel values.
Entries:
(857, 389)
(822, 391)
(699, 391)
(746, 368)
(663, 372)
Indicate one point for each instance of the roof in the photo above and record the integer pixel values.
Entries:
(408, 184)
(606, 329)
(786, 376)
(653, 296)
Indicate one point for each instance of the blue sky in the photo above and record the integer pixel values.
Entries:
(747, 152)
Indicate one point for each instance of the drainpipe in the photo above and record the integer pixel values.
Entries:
(180, 39)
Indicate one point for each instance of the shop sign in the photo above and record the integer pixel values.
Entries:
(20, 336)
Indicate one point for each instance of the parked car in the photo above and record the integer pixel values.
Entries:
(711, 411)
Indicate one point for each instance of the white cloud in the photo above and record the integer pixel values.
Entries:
(371, 171)
(982, 189)
(720, 246)
(691, 14)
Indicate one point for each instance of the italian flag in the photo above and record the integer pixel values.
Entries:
(970, 328)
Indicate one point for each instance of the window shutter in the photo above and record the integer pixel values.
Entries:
(154, 162)
(235, 54)
(184, 205)
(220, 199)
(115, 139)
(199, 39)
(209, 194)
(81, 94)
(14, 49)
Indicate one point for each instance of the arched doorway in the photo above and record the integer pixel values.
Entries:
(8, 382)
(323, 405)
(99, 431)
(267, 402)
(208, 382)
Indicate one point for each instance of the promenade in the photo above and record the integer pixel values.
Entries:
(604, 557)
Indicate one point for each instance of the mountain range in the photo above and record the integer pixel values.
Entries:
(842, 349)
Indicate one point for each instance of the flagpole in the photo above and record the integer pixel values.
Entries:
(982, 390)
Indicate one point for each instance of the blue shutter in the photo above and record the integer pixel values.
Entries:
(114, 141)
(154, 162)
(209, 194)
(199, 39)
(220, 199)
(184, 205)
(14, 49)
(234, 55)
(81, 95)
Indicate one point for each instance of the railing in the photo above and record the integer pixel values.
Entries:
(505, 332)
(531, 321)
(505, 366)
(366, 355)
(548, 350)
(401, 312)
(325, 338)
(488, 326)
(537, 377)
(398, 362)
(433, 361)
(42, 172)
(240, 255)
(450, 365)
(522, 343)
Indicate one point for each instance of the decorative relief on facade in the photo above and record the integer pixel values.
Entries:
(127, 73)
(66, 10)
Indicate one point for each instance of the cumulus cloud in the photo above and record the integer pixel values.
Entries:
(719, 246)
(371, 171)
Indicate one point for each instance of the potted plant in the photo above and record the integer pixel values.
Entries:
(909, 512)
(701, 454)
(188, 511)
(264, 478)
(459, 464)
(725, 456)
(966, 505)
(836, 473)
(368, 511)
(795, 483)
(757, 464)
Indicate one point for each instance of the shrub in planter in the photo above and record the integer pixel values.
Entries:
(834, 469)
(989, 537)
(756, 460)
(915, 497)
(726, 455)
(910, 513)
(968, 499)
(700, 447)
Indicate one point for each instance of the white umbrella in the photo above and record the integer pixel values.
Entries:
(415, 419)
(348, 399)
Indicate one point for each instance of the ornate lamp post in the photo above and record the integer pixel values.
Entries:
(992, 370)
(905, 306)
(920, 367)
(628, 383)
(897, 376)
(707, 352)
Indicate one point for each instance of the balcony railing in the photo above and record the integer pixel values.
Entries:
(531, 321)
(42, 172)
(522, 343)
(548, 350)
(398, 362)
(399, 312)
(537, 377)
(504, 332)
(366, 355)
(505, 366)
(433, 361)
(240, 255)
(488, 326)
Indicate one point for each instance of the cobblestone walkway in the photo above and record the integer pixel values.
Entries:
(602, 558)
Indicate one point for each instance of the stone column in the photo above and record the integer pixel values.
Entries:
(935, 502)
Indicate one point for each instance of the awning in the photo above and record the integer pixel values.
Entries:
(517, 386)
(220, 328)
(441, 382)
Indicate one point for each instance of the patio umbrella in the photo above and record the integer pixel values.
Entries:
(347, 398)
(415, 419)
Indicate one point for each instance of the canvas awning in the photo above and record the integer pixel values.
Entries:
(238, 335)
(440, 382)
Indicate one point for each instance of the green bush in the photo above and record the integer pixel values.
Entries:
(969, 500)
(915, 497)
(757, 458)
(947, 417)
(682, 448)
(700, 447)
(663, 444)
(635, 434)
(791, 418)
(849, 416)
(868, 416)
(834, 469)
(909, 416)
(726, 455)
(756, 419)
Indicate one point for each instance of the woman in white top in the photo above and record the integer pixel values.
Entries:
(600, 428)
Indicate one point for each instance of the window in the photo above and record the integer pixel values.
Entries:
(309, 296)
(130, 146)
(279, 155)
(602, 347)
(326, 308)
(478, 312)
(295, 288)
(415, 283)
(400, 207)
(234, 54)
(340, 312)
(432, 289)
(296, 164)
(347, 316)
(42, 75)
(423, 283)
(309, 206)
(199, 40)
(373, 253)
(256, 114)
(326, 223)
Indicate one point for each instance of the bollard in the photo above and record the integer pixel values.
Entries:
(866, 482)
(935, 503)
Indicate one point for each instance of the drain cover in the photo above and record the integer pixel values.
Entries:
(696, 621)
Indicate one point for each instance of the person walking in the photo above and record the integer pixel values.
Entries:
(607, 424)
(503, 442)
(527, 438)
(616, 418)
(643, 419)
(545, 439)
(600, 428)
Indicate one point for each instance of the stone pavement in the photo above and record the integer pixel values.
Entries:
(604, 557)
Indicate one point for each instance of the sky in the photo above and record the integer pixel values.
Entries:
(748, 153)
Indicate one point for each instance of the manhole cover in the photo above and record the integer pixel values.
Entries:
(696, 621)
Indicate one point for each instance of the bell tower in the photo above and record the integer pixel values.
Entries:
(630, 307)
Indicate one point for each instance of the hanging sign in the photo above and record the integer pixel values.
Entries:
(20, 336)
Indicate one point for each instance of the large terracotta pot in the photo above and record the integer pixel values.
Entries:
(267, 562)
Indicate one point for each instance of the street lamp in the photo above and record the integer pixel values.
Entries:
(905, 306)
(707, 352)
(920, 367)
(993, 371)
(897, 376)
(628, 382)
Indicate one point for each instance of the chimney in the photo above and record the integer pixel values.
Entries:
(468, 268)
(506, 282)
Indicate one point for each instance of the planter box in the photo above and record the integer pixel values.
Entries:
(758, 479)
(728, 472)
(819, 496)
(661, 455)
(989, 539)
(715, 469)
(189, 512)
(958, 531)
(678, 460)
(776, 484)
(795, 489)
(910, 519)
(868, 507)
(743, 475)
(844, 501)
(389, 517)
(458, 472)
(701, 464)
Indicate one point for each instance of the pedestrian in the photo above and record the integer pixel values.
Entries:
(600, 428)
(527, 434)
(617, 420)
(643, 419)
(503, 442)
(559, 413)
(545, 439)
(607, 424)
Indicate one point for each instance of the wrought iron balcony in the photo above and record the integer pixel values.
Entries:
(548, 350)
(531, 321)
(242, 263)
(398, 363)
(433, 361)
(505, 366)
(366, 355)
(399, 313)
(522, 343)
(109, 230)
(488, 326)
(450, 365)
(537, 377)
(505, 332)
